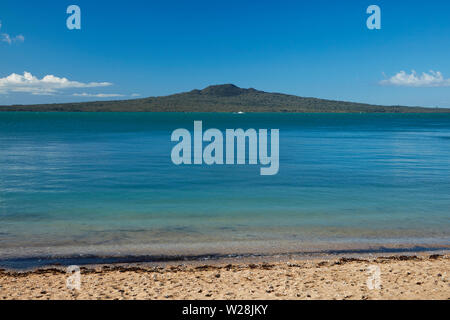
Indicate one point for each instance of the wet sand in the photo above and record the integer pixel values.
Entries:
(401, 277)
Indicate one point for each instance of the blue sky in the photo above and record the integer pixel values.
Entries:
(149, 48)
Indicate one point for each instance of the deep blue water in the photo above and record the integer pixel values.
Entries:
(105, 181)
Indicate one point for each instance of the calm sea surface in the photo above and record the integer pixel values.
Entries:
(104, 184)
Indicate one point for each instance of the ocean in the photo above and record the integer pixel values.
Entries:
(83, 187)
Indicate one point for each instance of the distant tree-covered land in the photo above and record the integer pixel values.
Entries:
(223, 98)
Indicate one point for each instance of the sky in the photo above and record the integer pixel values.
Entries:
(320, 48)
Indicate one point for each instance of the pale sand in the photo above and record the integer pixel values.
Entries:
(416, 277)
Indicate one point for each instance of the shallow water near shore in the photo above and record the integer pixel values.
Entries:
(103, 184)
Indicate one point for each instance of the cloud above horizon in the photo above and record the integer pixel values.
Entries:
(98, 95)
(5, 37)
(48, 85)
(431, 79)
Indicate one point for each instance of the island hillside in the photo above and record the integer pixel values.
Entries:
(223, 98)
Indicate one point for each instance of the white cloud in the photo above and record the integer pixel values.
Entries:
(4, 37)
(403, 79)
(135, 95)
(20, 38)
(98, 95)
(48, 85)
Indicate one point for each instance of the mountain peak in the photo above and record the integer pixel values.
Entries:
(223, 90)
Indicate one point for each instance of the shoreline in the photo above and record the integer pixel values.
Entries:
(32, 263)
(416, 276)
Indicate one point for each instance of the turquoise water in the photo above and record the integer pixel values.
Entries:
(104, 183)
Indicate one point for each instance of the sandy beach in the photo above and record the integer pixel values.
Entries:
(400, 277)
